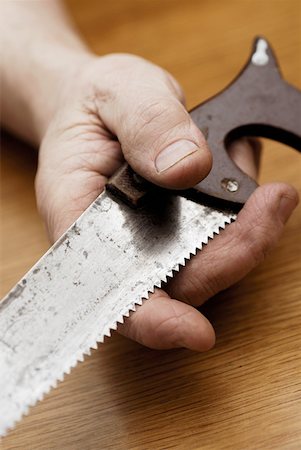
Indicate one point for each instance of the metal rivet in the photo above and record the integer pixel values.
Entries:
(230, 185)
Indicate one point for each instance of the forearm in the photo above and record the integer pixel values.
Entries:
(39, 50)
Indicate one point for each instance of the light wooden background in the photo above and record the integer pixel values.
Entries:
(244, 394)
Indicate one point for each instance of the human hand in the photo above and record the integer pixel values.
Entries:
(121, 106)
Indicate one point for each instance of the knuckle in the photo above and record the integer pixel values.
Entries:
(256, 241)
(152, 111)
(194, 287)
(212, 283)
(157, 120)
(259, 247)
(200, 290)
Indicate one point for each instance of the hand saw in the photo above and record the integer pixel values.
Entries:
(114, 255)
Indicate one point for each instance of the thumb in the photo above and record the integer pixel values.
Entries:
(157, 135)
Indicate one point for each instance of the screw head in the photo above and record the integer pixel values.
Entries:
(230, 185)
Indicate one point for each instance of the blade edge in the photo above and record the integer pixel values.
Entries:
(99, 337)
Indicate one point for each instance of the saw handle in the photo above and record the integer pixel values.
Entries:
(257, 103)
(129, 186)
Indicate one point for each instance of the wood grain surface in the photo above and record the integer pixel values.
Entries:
(246, 392)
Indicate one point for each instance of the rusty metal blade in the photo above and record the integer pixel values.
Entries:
(93, 276)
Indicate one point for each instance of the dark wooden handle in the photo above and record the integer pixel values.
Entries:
(129, 186)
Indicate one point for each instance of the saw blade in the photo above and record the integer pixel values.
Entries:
(108, 261)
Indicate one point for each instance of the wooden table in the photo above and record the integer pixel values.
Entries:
(244, 394)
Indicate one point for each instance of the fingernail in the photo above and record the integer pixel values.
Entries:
(174, 153)
(286, 207)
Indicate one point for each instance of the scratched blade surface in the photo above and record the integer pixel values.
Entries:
(103, 266)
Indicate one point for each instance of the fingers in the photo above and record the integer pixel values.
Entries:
(163, 323)
(246, 153)
(75, 159)
(239, 248)
(158, 138)
(166, 323)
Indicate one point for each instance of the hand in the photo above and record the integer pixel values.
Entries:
(121, 106)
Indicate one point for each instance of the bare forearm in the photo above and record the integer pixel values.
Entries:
(39, 49)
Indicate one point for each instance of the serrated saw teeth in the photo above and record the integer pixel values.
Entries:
(177, 246)
(87, 352)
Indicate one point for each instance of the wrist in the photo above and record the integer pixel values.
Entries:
(35, 60)
(57, 76)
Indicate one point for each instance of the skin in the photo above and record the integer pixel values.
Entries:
(87, 114)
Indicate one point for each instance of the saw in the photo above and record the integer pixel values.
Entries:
(132, 239)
